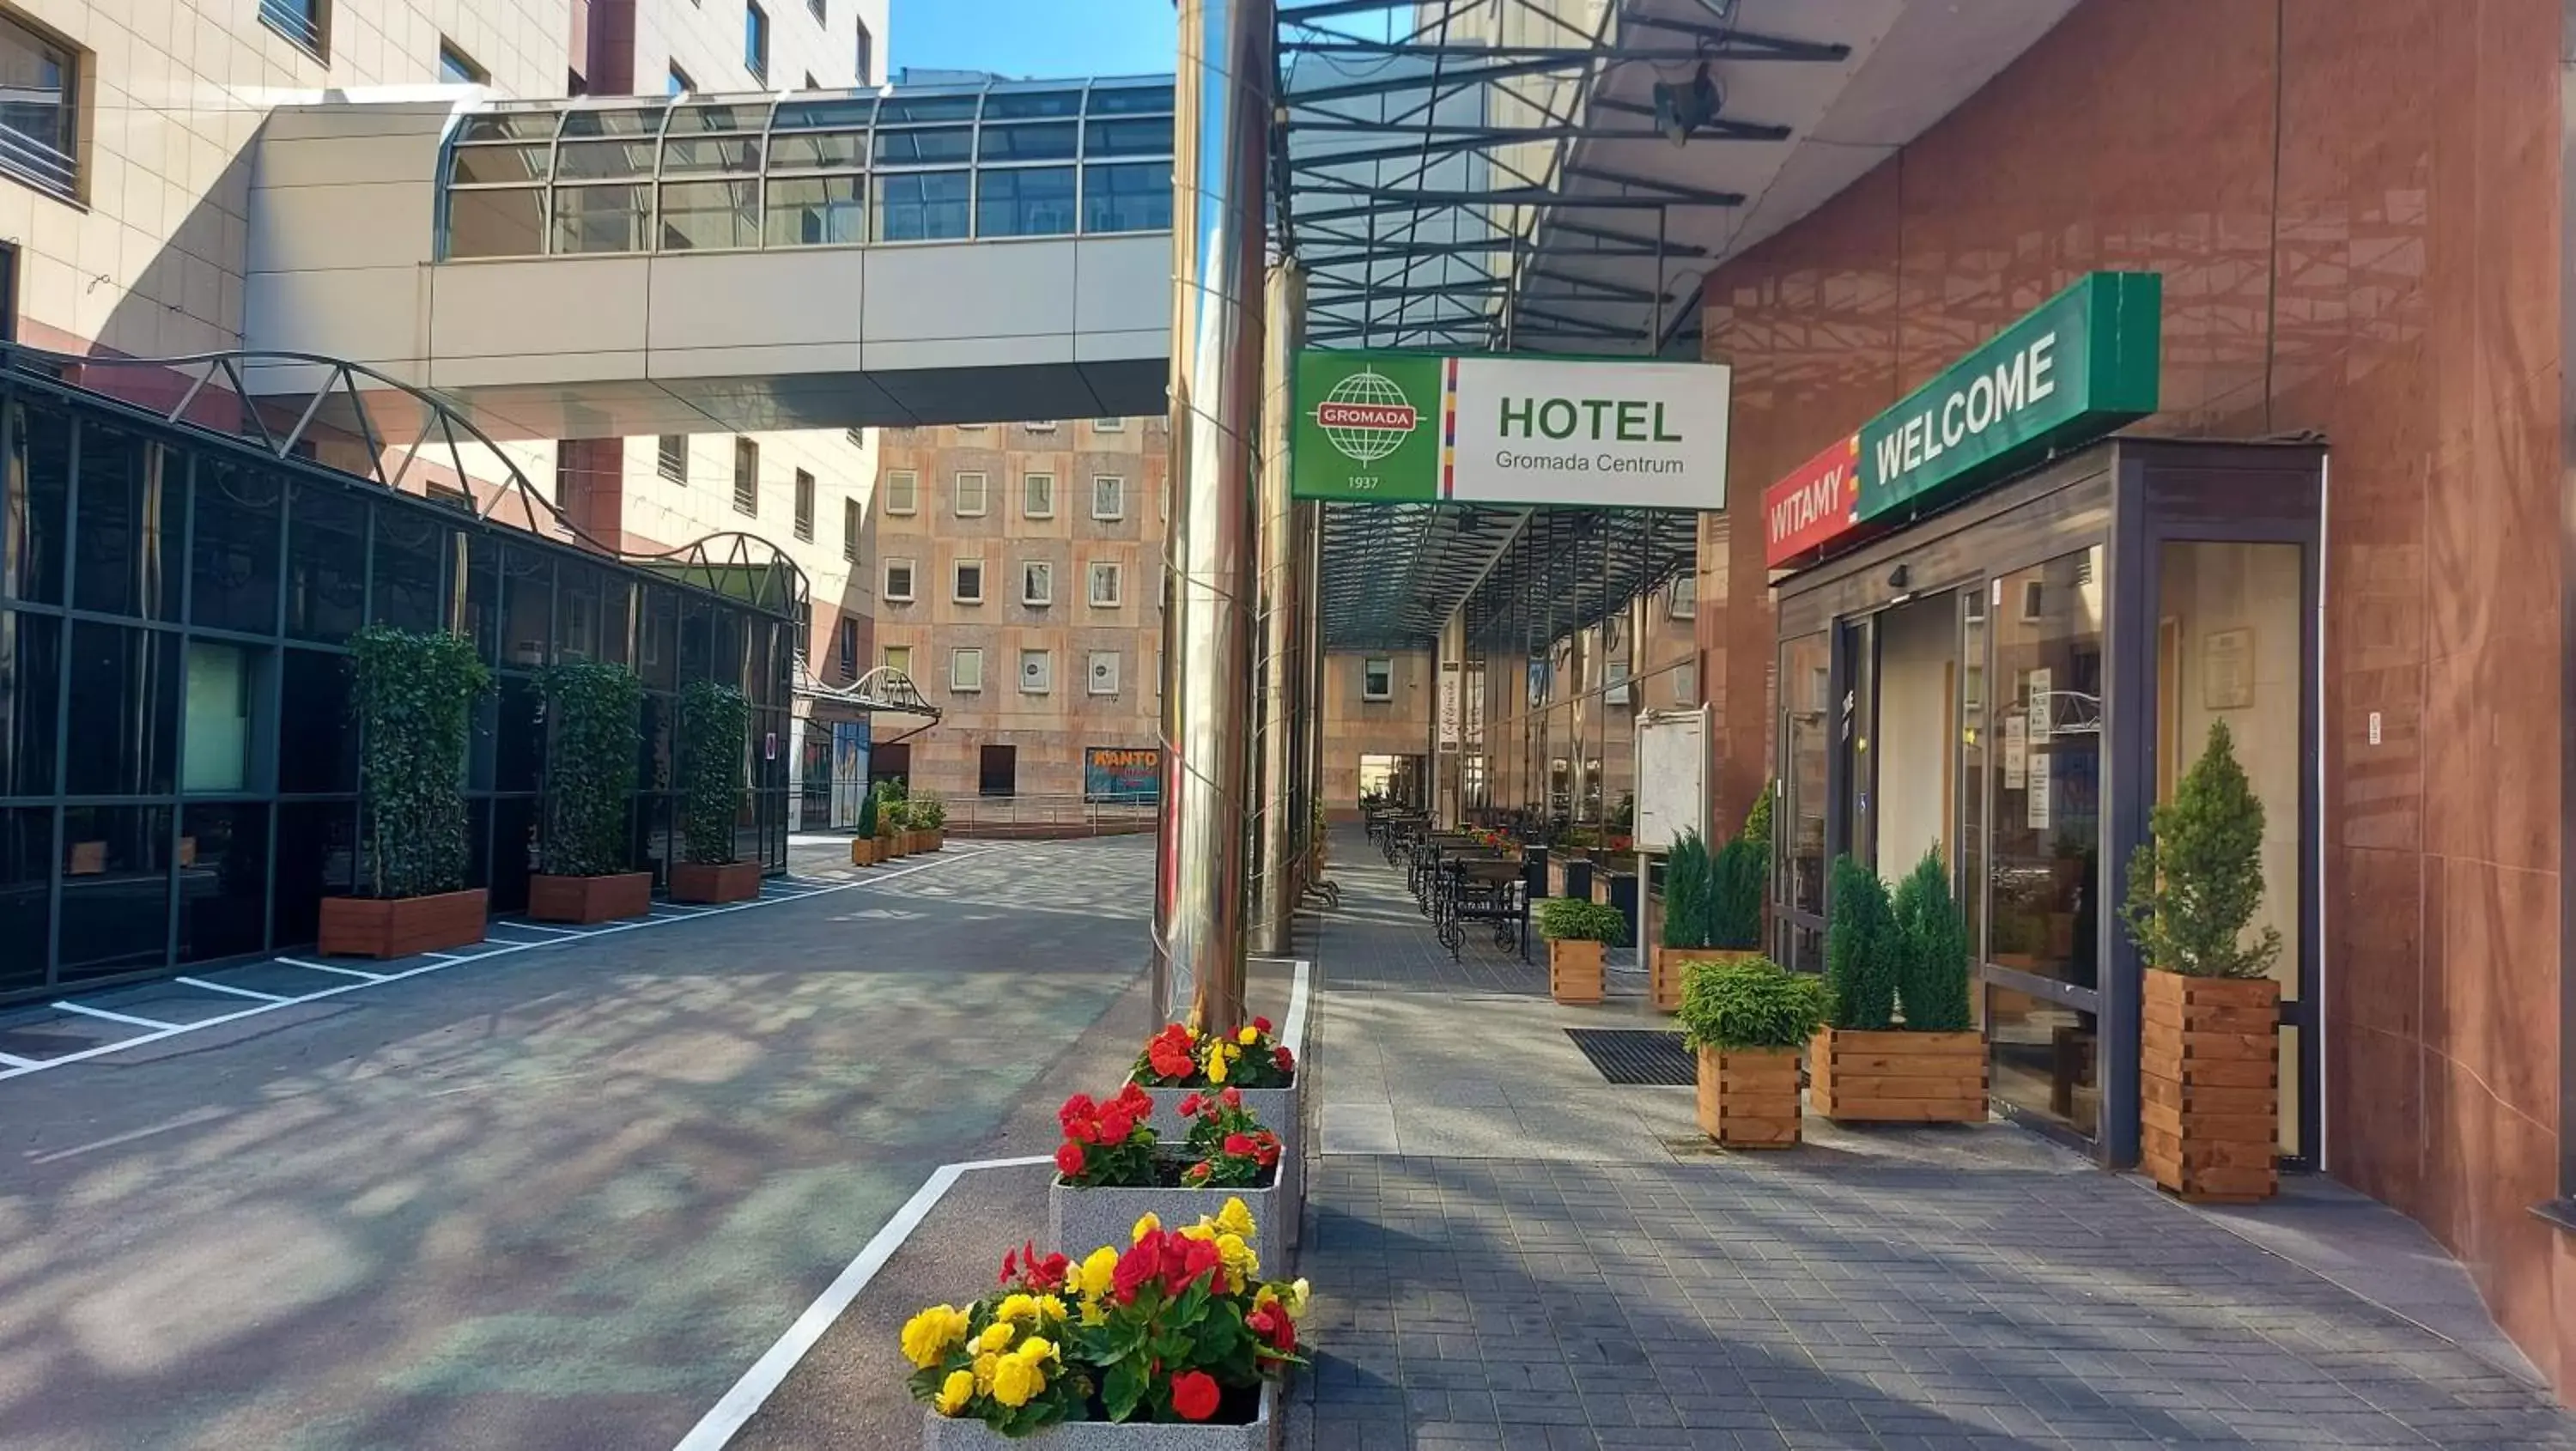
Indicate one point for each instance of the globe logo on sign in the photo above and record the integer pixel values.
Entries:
(1366, 417)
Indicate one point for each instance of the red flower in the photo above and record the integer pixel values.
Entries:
(1197, 1174)
(1231, 1096)
(1068, 1159)
(1194, 1395)
(1286, 1060)
(1265, 1148)
(1271, 1323)
(1261, 1025)
(1238, 1145)
(1136, 1101)
(1076, 1109)
(1115, 1126)
(1190, 1106)
(1011, 1261)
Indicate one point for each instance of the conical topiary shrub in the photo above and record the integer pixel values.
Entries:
(1932, 981)
(1860, 949)
(1685, 935)
(2194, 887)
(1930, 1067)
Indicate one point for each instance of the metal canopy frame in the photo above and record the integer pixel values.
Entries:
(1425, 176)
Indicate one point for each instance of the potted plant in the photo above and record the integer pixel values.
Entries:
(1160, 1340)
(1577, 932)
(1712, 911)
(2209, 1054)
(893, 821)
(1253, 1063)
(414, 700)
(1746, 1019)
(1899, 1046)
(587, 795)
(1112, 1169)
(863, 845)
(715, 736)
(929, 812)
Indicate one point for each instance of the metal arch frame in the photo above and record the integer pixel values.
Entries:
(882, 690)
(726, 550)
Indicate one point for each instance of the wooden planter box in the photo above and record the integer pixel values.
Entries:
(714, 882)
(585, 900)
(1574, 971)
(938, 1433)
(1669, 965)
(1874, 1076)
(2209, 1087)
(890, 846)
(1748, 1097)
(384, 927)
(863, 851)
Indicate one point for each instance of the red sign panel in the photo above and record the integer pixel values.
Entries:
(1817, 503)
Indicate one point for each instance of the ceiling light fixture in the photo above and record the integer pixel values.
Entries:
(1683, 109)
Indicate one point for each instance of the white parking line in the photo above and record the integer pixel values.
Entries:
(541, 927)
(239, 992)
(767, 1374)
(13, 1061)
(20, 1067)
(153, 1023)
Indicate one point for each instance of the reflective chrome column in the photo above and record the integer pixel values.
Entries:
(1274, 888)
(1220, 148)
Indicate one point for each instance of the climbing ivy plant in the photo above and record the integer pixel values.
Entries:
(413, 701)
(715, 727)
(592, 737)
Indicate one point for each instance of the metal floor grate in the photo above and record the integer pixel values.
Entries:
(1638, 1056)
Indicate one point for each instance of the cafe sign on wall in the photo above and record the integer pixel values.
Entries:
(2075, 368)
(1409, 428)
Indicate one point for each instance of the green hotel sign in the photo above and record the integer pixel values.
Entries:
(2080, 365)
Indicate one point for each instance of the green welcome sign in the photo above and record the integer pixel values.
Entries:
(1398, 428)
(2080, 365)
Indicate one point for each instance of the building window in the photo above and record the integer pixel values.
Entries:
(898, 659)
(39, 117)
(1040, 425)
(755, 40)
(456, 68)
(671, 457)
(969, 582)
(1037, 496)
(305, 22)
(858, 437)
(1109, 425)
(1107, 585)
(746, 477)
(1684, 601)
(866, 58)
(680, 84)
(1109, 497)
(1037, 583)
(1377, 678)
(850, 530)
(1037, 672)
(898, 581)
(902, 491)
(968, 493)
(1104, 672)
(966, 670)
(805, 506)
(849, 648)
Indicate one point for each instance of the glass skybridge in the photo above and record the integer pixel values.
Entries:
(987, 160)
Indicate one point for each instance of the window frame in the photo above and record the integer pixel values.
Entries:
(755, 40)
(964, 655)
(911, 581)
(1091, 673)
(1372, 666)
(852, 525)
(1112, 570)
(452, 56)
(746, 477)
(911, 481)
(1027, 481)
(1037, 569)
(1109, 425)
(983, 493)
(847, 638)
(1119, 515)
(669, 462)
(898, 658)
(802, 524)
(957, 580)
(317, 45)
(1045, 659)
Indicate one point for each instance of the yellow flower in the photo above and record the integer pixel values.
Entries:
(985, 1368)
(1145, 1226)
(1017, 1307)
(1099, 1272)
(927, 1336)
(1215, 1066)
(1037, 1347)
(1201, 1230)
(1248, 1037)
(1016, 1380)
(1050, 1308)
(1240, 1262)
(996, 1337)
(1094, 1313)
(1235, 1218)
(956, 1392)
(1295, 1299)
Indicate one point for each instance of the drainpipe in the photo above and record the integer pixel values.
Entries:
(1221, 146)
(1275, 889)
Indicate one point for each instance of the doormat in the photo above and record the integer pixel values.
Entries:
(1638, 1056)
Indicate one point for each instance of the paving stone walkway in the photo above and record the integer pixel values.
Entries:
(1509, 1252)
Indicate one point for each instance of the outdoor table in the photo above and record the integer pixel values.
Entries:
(1486, 888)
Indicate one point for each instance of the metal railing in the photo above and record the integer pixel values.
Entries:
(1046, 814)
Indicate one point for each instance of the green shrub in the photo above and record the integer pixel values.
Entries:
(868, 814)
(2195, 884)
(1686, 893)
(1571, 919)
(414, 704)
(715, 736)
(929, 811)
(1933, 979)
(592, 737)
(1737, 880)
(1757, 822)
(1861, 949)
(1751, 1002)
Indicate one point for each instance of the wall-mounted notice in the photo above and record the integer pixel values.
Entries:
(2016, 750)
(2039, 790)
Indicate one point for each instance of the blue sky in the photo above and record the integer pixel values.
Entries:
(1035, 37)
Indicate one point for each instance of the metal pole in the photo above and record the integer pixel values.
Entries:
(1303, 713)
(1275, 888)
(1311, 621)
(1221, 144)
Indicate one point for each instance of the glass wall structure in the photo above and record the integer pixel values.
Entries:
(178, 769)
(922, 164)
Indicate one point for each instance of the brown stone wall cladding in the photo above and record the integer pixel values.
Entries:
(1897, 1077)
(382, 927)
(2356, 208)
(1748, 1097)
(586, 900)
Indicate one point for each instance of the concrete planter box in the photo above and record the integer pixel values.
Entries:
(585, 900)
(1277, 1110)
(1082, 1220)
(938, 1433)
(714, 883)
(386, 927)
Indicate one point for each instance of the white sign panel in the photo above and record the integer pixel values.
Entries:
(1672, 777)
(2038, 791)
(1605, 435)
(2016, 749)
(1450, 707)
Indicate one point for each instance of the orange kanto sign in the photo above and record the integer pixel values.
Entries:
(1816, 504)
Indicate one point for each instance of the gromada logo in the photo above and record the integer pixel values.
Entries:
(1366, 417)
